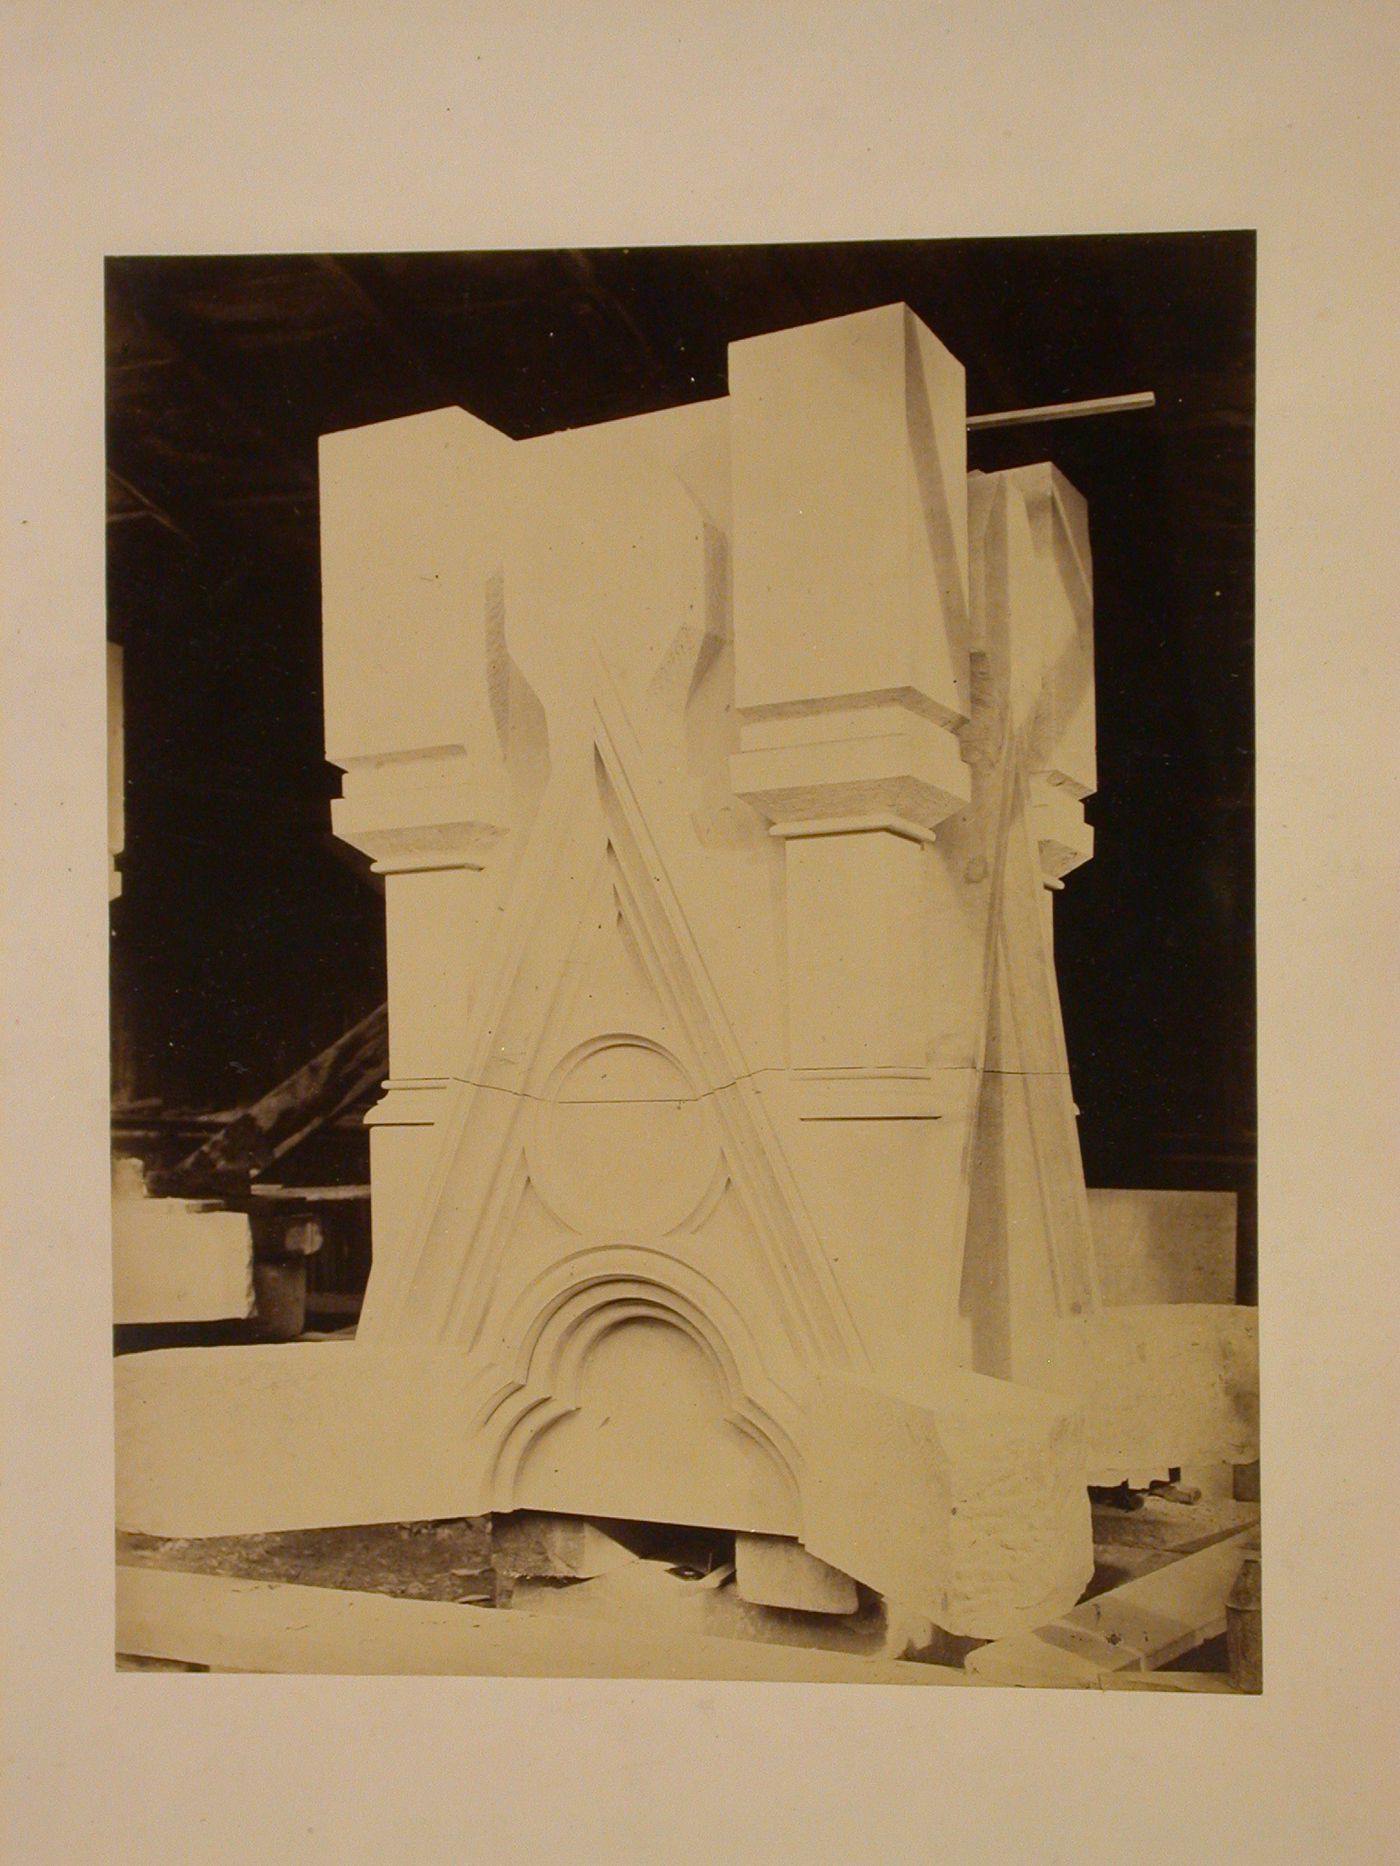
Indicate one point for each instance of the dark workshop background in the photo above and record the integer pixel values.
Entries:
(245, 938)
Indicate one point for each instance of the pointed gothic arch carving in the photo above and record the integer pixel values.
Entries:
(563, 1316)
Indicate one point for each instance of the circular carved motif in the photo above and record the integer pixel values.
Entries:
(622, 1145)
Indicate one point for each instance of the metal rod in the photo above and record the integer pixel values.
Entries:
(1064, 411)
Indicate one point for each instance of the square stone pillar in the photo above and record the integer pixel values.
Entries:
(416, 702)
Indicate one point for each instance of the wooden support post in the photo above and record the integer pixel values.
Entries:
(279, 1287)
(1244, 1626)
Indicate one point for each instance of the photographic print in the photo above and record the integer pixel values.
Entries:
(682, 962)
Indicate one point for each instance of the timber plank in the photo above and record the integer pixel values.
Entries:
(1145, 1623)
(1218, 1682)
(281, 1627)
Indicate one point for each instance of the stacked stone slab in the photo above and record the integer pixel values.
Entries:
(720, 764)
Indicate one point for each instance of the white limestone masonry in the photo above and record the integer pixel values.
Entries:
(720, 763)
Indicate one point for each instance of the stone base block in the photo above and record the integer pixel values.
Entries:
(559, 1548)
(175, 1262)
(304, 1435)
(772, 1571)
(969, 1507)
(1163, 1386)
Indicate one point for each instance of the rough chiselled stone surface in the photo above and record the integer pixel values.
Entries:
(992, 1532)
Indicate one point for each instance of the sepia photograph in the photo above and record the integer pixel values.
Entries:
(697, 977)
(681, 873)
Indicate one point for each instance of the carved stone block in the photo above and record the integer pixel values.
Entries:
(717, 761)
